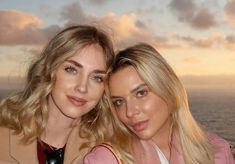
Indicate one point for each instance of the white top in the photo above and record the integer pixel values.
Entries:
(161, 156)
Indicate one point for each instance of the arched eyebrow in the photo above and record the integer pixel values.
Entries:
(138, 87)
(81, 66)
(132, 91)
(75, 63)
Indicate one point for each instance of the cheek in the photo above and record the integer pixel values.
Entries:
(62, 80)
(121, 114)
(62, 84)
(97, 91)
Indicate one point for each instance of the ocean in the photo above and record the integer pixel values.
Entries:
(214, 109)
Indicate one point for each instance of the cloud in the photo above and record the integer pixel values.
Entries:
(183, 8)
(150, 10)
(215, 40)
(73, 14)
(98, 2)
(141, 24)
(12, 57)
(197, 17)
(125, 29)
(230, 40)
(19, 28)
(203, 19)
(229, 10)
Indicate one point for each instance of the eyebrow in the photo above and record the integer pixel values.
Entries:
(81, 66)
(132, 91)
(138, 87)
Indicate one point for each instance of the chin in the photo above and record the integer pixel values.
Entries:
(144, 135)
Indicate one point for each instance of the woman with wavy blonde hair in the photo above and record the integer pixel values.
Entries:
(151, 117)
(61, 111)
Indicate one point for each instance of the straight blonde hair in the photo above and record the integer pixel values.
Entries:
(162, 80)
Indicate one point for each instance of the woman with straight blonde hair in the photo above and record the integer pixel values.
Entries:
(151, 118)
(61, 111)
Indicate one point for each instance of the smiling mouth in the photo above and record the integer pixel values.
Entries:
(77, 101)
(140, 126)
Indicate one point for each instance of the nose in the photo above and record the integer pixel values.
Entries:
(82, 85)
(132, 108)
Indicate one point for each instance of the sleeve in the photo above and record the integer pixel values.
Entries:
(100, 155)
(5, 157)
(229, 155)
(222, 151)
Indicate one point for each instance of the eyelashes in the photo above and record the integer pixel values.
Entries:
(93, 76)
(71, 70)
(118, 103)
(139, 94)
(98, 78)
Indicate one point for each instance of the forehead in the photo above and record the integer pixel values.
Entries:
(124, 80)
(91, 55)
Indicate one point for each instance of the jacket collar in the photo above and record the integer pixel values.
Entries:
(144, 152)
(72, 152)
(28, 153)
(21, 152)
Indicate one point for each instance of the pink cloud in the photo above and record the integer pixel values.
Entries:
(19, 28)
(125, 29)
(229, 10)
(230, 40)
(215, 40)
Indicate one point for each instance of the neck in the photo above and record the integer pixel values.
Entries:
(58, 127)
(163, 138)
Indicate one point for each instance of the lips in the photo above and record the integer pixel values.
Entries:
(139, 126)
(77, 101)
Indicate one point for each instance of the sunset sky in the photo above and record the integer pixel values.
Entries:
(197, 37)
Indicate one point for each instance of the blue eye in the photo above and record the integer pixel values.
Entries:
(71, 70)
(98, 78)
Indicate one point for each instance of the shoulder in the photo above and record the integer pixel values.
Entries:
(100, 155)
(5, 144)
(218, 142)
(4, 137)
(214, 139)
(4, 131)
(221, 149)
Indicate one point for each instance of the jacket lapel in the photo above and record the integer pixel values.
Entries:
(72, 153)
(21, 152)
(176, 151)
(144, 152)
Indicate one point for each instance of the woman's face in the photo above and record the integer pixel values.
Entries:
(141, 110)
(79, 83)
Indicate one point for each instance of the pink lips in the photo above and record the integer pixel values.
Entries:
(140, 125)
(77, 101)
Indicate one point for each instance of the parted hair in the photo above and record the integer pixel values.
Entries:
(154, 70)
(26, 112)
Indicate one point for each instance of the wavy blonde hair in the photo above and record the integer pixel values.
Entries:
(160, 77)
(26, 112)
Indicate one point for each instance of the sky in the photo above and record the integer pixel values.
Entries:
(197, 37)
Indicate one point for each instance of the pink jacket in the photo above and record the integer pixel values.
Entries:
(144, 153)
